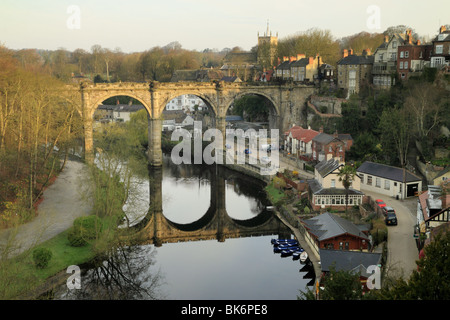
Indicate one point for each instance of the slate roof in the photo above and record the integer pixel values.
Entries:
(285, 65)
(328, 225)
(300, 63)
(354, 59)
(323, 138)
(121, 107)
(387, 172)
(356, 261)
(325, 167)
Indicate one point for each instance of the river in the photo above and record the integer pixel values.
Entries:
(228, 268)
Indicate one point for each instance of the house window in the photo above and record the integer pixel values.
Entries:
(406, 54)
(439, 49)
(347, 245)
(333, 183)
(406, 64)
(401, 64)
(394, 44)
(377, 182)
(369, 180)
(401, 54)
(341, 245)
(387, 184)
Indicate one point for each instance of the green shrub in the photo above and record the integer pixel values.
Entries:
(84, 229)
(41, 257)
(379, 232)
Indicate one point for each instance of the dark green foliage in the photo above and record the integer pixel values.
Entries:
(341, 285)
(41, 257)
(84, 229)
(252, 108)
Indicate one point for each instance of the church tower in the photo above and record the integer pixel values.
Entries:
(267, 49)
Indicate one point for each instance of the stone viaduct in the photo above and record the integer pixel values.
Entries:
(287, 102)
(215, 224)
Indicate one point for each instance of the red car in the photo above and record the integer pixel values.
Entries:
(380, 203)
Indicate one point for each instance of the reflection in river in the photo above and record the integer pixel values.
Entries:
(204, 234)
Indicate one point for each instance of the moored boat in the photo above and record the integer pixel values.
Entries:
(277, 242)
(280, 249)
(303, 257)
(296, 254)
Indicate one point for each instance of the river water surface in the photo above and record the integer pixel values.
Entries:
(242, 268)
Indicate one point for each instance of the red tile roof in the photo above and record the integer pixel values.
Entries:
(299, 133)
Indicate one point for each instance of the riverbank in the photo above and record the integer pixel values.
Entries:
(62, 203)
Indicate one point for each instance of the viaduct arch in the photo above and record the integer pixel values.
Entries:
(287, 99)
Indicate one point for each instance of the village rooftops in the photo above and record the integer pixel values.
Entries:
(325, 138)
(355, 59)
(121, 107)
(355, 261)
(302, 134)
(327, 166)
(387, 172)
(328, 225)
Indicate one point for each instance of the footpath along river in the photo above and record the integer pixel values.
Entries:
(62, 203)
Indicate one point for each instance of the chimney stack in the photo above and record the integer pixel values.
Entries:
(344, 53)
(350, 52)
(442, 29)
(386, 38)
(300, 56)
(311, 60)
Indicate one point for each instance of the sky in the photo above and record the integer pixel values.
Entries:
(138, 25)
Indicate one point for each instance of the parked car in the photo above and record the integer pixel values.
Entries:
(391, 219)
(380, 203)
(387, 210)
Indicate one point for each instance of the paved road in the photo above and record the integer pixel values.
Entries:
(402, 249)
(63, 202)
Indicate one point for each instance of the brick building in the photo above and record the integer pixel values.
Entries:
(412, 56)
(329, 231)
(326, 146)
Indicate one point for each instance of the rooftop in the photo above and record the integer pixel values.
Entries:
(348, 260)
(328, 225)
(388, 172)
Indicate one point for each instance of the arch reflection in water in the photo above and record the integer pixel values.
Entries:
(215, 222)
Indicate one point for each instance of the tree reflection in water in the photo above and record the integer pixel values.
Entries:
(125, 274)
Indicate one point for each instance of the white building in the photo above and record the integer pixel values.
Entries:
(186, 102)
(390, 181)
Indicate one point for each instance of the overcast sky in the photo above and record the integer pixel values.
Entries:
(138, 25)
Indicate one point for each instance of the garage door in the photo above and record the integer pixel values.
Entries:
(411, 189)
